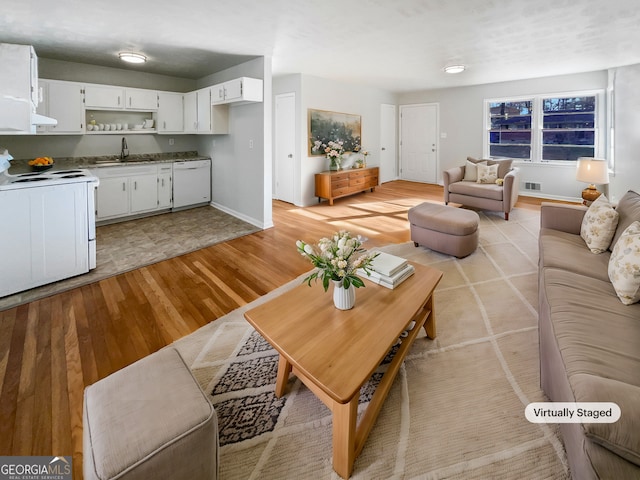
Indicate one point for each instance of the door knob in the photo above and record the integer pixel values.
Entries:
(290, 155)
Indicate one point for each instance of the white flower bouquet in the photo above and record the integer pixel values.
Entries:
(337, 258)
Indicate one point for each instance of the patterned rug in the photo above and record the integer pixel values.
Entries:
(456, 409)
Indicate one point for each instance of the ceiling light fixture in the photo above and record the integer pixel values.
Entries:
(131, 57)
(454, 69)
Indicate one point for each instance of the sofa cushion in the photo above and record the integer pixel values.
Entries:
(599, 225)
(504, 166)
(624, 265)
(471, 171)
(623, 436)
(567, 251)
(628, 209)
(472, 189)
(487, 173)
(595, 333)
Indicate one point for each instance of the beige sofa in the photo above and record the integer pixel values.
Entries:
(589, 342)
(461, 186)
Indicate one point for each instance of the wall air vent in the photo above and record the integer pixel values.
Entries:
(532, 186)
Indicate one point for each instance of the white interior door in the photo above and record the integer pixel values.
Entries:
(285, 143)
(419, 142)
(388, 169)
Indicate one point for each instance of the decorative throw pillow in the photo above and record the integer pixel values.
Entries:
(624, 265)
(599, 225)
(471, 171)
(628, 209)
(487, 173)
(504, 166)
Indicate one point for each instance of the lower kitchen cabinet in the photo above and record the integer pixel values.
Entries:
(165, 186)
(132, 190)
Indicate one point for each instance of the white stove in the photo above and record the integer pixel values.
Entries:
(49, 177)
(48, 227)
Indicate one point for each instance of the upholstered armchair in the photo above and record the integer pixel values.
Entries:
(477, 184)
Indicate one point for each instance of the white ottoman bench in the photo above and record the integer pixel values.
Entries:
(445, 229)
(149, 420)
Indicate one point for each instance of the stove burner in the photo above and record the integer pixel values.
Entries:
(64, 172)
(77, 175)
(31, 179)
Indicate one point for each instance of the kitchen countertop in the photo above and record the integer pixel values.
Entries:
(22, 166)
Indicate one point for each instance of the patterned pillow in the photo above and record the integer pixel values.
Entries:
(471, 171)
(624, 265)
(487, 173)
(599, 225)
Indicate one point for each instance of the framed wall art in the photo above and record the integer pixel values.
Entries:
(325, 127)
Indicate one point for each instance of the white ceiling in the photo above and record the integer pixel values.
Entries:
(397, 45)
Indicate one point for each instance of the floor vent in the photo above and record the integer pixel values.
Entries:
(532, 186)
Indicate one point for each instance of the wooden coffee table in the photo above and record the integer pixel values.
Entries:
(334, 352)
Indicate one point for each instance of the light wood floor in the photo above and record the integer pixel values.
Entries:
(52, 348)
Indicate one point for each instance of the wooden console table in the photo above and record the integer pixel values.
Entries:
(336, 184)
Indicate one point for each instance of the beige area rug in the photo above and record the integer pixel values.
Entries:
(133, 244)
(456, 409)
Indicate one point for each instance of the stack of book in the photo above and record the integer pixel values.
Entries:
(388, 270)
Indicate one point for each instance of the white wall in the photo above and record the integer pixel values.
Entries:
(626, 82)
(323, 94)
(241, 183)
(462, 119)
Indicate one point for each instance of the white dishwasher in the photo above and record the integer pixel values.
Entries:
(191, 183)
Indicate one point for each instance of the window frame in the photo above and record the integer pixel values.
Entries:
(537, 123)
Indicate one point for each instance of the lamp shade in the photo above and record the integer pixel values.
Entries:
(592, 170)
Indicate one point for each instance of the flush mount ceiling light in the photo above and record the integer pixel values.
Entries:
(454, 68)
(131, 57)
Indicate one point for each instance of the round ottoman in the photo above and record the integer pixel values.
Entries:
(445, 229)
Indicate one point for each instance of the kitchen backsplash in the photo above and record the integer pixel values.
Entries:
(32, 146)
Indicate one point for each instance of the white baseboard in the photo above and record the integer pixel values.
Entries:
(550, 197)
(242, 216)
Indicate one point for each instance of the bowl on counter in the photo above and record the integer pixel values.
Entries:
(138, 127)
(41, 168)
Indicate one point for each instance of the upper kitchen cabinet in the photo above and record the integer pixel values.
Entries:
(238, 91)
(170, 117)
(62, 101)
(103, 96)
(201, 117)
(141, 99)
(111, 97)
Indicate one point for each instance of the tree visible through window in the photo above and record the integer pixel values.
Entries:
(543, 128)
(568, 128)
(510, 131)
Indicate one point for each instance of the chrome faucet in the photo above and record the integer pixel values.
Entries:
(124, 152)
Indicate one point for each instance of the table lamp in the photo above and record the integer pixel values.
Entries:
(592, 171)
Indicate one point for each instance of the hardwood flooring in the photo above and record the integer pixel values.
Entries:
(52, 348)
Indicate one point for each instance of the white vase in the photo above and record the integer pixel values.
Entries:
(343, 298)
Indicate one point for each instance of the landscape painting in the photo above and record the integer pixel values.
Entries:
(325, 127)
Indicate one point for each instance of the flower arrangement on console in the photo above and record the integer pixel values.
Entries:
(337, 258)
(333, 150)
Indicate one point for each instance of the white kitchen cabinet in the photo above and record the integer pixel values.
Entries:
(170, 118)
(111, 97)
(144, 192)
(238, 91)
(62, 101)
(141, 99)
(112, 197)
(165, 185)
(201, 117)
(129, 190)
(103, 96)
(48, 238)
